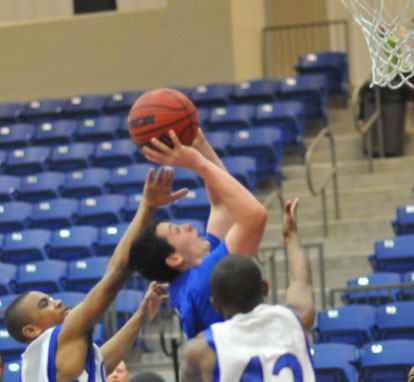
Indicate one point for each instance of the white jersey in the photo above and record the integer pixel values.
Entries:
(267, 344)
(38, 361)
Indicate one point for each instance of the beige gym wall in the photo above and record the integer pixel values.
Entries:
(186, 43)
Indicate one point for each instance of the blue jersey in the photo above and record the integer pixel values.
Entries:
(190, 291)
(38, 361)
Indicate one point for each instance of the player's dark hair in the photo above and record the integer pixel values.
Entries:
(148, 253)
(15, 319)
(236, 283)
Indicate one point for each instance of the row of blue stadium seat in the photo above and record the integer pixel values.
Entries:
(381, 361)
(287, 116)
(304, 87)
(404, 222)
(67, 243)
(360, 324)
(380, 296)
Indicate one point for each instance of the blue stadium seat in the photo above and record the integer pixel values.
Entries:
(311, 89)
(43, 109)
(287, 116)
(395, 321)
(25, 246)
(231, 118)
(9, 185)
(100, 210)
(71, 157)
(194, 205)
(127, 302)
(73, 243)
(128, 179)
(14, 136)
(5, 301)
(84, 105)
(393, 255)
(388, 360)
(334, 65)
(264, 144)
(197, 224)
(85, 183)
(212, 95)
(407, 293)
(187, 91)
(13, 216)
(335, 362)
(10, 349)
(29, 160)
(69, 298)
(52, 133)
(121, 103)
(98, 334)
(243, 168)
(219, 141)
(132, 204)
(203, 116)
(45, 276)
(352, 324)
(53, 214)
(10, 111)
(42, 186)
(3, 159)
(184, 177)
(374, 297)
(123, 131)
(404, 223)
(117, 153)
(109, 237)
(98, 129)
(256, 91)
(12, 371)
(83, 274)
(7, 275)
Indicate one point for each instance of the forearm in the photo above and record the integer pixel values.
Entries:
(121, 255)
(299, 267)
(116, 348)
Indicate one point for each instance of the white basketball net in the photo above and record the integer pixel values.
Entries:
(388, 29)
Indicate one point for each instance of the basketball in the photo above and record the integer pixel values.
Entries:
(156, 112)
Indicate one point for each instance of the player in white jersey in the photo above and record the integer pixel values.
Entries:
(60, 346)
(257, 342)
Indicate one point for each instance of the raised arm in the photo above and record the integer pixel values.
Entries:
(300, 295)
(73, 339)
(116, 348)
(248, 214)
(220, 219)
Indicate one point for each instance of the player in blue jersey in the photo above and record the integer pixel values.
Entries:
(257, 342)
(59, 341)
(178, 254)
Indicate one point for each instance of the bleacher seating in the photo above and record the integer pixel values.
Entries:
(38, 187)
(394, 255)
(121, 102)
(5, 301)
(9, 184)
(256, 91)
(14, 136)
(7, 275)
(109, 237)
(388, 360)
(52, 214)
(212, 94)
(128, 179)
(60, 132)
(25, 246)
(10, 349)
(231, 118)
(194, 205)
(71, 157)
(335, 362)
(13, 216)
(127, 302)
(83, 274)
(131, 206)
(243, 168)
(12, 371)
(27, 161)
(116, 153)
(184, 177)
(219, 141)
(43, 109)
(404, 224)
(10, 112)
(74, 242)
(45, 276)
(353, 324)
(394, 321)
(98, 129)
(87, 105)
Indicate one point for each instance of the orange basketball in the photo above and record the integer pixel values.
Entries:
(157, 111)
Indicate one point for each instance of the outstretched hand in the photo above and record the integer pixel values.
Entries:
(177, 156)
(158, 189)
(154, 296)
(289, 218)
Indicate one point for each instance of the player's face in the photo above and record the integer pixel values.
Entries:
(120, 374)
(186, 241)
(43, 310)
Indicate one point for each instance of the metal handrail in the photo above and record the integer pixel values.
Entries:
(332, 175)
(365, 128)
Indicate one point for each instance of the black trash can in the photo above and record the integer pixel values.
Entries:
(393, 112)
